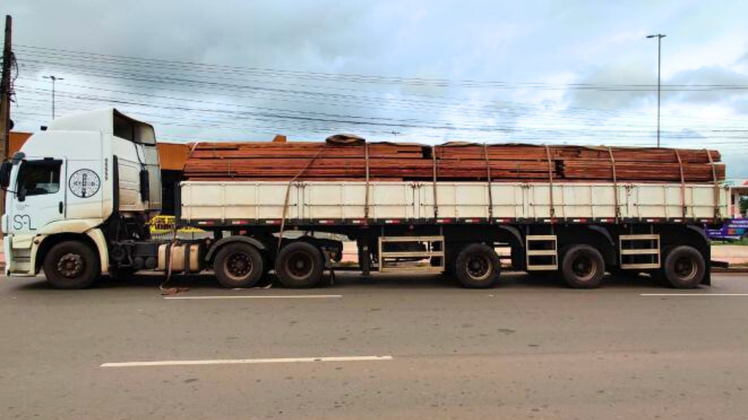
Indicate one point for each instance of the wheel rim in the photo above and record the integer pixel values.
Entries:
(299, 265)
(238, 265)
(70, 265)
(685, 268)
(478, 267)
(584, 268)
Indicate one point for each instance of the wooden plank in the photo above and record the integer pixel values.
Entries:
(390, 161)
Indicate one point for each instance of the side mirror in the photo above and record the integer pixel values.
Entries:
(5, 174)
(145, 187)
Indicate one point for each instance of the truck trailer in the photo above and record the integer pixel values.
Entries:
(80, 194)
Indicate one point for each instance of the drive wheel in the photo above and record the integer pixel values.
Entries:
(684, 267)
(477, 266)
(299, 265)
(583, 267)
(71, 265)
(238, 265)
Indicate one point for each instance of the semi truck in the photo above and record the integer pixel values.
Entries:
(80, 194)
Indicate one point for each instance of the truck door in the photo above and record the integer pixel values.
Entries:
(39, 197)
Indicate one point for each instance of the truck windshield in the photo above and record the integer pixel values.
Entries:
(37, 177)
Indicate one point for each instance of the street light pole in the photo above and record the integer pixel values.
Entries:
(659, 60)
(54, 79)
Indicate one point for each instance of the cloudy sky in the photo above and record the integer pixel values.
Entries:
(422, 71)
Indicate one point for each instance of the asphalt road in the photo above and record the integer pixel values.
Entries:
(527, 349)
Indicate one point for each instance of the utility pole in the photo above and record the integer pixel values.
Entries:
(659, 60)
(54, 79)
(5, 92)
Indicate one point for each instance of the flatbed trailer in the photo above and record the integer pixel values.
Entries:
(609, 226)
(79, 212)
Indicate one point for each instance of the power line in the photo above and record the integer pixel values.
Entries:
(544, 134)
(109, 73)
(356, 78)
(472, 116)
(310, 94)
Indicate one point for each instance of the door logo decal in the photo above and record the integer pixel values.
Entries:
(84, 183)
(21, 220)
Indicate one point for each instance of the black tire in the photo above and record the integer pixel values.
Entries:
(299, 265)
(477, 266)
(684, 267)
(71, 265)
(238, 265)
(582, 267)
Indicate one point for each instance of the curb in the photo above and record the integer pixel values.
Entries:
(730, 270)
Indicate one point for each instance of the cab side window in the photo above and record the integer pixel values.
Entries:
(38, 177)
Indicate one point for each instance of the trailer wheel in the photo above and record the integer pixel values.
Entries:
(238, 265)
(684, 267)
(582, 267)
(477, 266)
(71, 265)
(299, 265)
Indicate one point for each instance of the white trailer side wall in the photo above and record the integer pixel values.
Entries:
(203, 200)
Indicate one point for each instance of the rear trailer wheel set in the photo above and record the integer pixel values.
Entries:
(299, 265)
(477, 266)
(684, 267)
(582, 267)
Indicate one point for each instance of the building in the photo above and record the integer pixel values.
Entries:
(738, 193)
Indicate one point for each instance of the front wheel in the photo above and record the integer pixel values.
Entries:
(477, 266)
(71, 265)
(582, 267)
(238, 265)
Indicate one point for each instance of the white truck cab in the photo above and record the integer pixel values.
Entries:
(67, 184)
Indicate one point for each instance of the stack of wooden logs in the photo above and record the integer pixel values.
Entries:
(317, 161)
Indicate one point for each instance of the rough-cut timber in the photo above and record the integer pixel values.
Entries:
(452, 161)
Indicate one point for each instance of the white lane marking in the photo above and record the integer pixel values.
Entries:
(254, 297)
(693, 294)
(248, 361)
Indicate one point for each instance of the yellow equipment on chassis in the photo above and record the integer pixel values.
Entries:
(162, 225)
